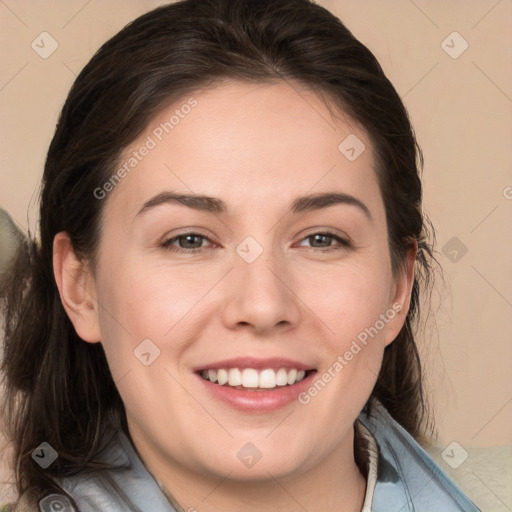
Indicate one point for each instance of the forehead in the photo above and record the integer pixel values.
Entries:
(248, 143)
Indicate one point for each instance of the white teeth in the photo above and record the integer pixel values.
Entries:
(267, 379)
(292, 376)
(251, 378)
(235, 377)
(222, 376)
(281, 377)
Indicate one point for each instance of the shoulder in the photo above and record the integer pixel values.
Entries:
(407, 477)
(49, 503)
(118, 482)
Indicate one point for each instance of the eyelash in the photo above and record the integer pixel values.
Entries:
(343, 243)
(167, 244)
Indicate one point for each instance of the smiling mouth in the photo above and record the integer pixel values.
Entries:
(250, 379)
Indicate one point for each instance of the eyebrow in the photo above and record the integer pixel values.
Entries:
(196, 202)
(324, 200)
(301, 204)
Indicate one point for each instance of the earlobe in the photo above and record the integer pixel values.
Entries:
(400, 301)
(76, 289)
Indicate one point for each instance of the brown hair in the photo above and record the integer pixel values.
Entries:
(58, 388)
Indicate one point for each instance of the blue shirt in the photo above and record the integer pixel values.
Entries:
(405, 478)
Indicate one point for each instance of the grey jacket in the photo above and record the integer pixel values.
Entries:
(408, 480)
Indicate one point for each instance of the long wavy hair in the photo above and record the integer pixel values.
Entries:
(58, 388)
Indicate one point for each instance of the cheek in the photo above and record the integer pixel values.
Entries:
(351, 309)
(347, 300)
(154, 303)
(350, 303)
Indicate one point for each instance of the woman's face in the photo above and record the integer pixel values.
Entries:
(247, 242)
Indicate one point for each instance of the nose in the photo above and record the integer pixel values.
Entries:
(260, 298)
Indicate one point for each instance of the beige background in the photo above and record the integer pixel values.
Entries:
(462, 112)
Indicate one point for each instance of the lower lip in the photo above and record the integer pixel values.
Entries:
(258, 401)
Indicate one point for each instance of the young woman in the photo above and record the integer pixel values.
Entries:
(218, 314)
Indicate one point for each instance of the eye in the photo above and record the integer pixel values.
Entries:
(186, 242)
(325, 240)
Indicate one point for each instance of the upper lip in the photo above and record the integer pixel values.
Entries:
(256, 363)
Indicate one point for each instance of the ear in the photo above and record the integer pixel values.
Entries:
(76, 288)
(400, 297)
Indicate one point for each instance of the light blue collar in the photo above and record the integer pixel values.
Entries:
(408, 480)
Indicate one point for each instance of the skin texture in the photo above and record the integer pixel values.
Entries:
(256, 147)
